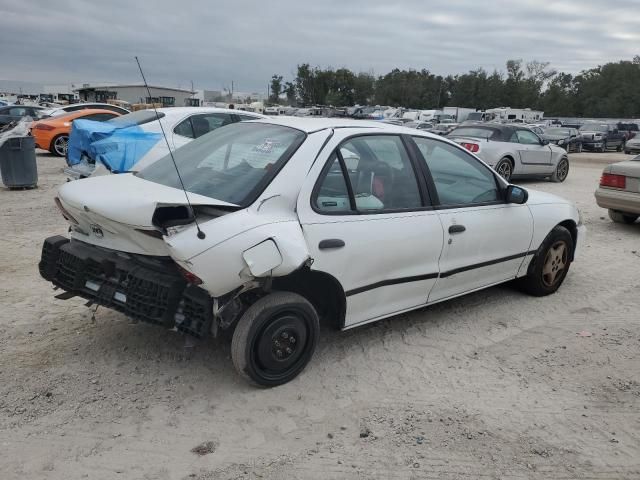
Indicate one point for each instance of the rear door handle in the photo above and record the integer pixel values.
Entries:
(457, 228)
(331, 243)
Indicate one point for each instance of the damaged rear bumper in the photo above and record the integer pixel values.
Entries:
(149, 289)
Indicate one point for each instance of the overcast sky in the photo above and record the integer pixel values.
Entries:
(214, 42)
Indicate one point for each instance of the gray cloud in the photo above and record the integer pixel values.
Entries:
(247, 41)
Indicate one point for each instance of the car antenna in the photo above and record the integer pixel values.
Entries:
(201, 235)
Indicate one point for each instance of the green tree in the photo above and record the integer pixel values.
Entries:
(275, 89)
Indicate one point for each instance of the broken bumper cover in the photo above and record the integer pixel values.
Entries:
(149, 289)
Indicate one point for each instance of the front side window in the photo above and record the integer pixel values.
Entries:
(528, 138)
(380, 175)
(460, 179)
(232, 164)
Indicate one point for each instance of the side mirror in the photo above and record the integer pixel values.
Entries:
(516, 194)
(544, 141)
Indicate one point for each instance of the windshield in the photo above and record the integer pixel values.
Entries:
(594, 127)
(476, 132)
(557, 131)
(234, 163)
(136, 118)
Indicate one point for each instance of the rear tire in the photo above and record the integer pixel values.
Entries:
(275, 339)
(620, 147)
(620, 217)
(59, 145)
(550, 265)
(504, 168)
(561, 172)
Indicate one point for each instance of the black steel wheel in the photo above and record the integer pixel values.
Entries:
(275, 339)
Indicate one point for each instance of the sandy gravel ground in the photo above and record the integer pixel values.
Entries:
(493, 385)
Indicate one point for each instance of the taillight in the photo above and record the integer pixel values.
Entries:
(189, 277)
(472, 147)
(613, 181)
(43, 126)
(67, 216)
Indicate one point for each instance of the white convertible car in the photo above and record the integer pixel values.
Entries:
(291, 221)
(513, 150)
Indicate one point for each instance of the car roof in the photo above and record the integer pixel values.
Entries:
(181, 111)
(310, 125)
(79, 113)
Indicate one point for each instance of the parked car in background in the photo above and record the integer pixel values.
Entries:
(632, 146)
(74, 107)
(629, 130)
(619, 190)
(15, 113)
(420, 125)
(117, 150)
(513, 150)
(286, 230)
(567, 138)
(53, 133)
(443, 128)
(600, 137)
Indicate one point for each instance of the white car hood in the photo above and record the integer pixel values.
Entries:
(537, 197)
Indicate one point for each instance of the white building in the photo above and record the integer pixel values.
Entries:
(135, 93)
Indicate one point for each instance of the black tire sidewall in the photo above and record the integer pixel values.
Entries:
(253, 323)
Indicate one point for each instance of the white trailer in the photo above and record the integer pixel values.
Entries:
(459, 114)
(516, 115)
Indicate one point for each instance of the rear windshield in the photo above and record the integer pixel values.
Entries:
(475, 132)
(234, 163)
(137, 118)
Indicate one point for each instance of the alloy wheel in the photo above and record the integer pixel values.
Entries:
(504, 170)
(61, 145)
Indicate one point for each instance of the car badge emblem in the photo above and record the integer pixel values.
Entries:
(97, 231)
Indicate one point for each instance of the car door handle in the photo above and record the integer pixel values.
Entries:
(457, 228)
(331, 243)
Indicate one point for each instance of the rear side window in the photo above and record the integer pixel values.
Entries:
(99, 117)
(475, 132)
(184, 129)
(368, 174)
(197, 125)
(460, 179)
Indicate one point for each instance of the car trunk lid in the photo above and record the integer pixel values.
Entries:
(117, 211)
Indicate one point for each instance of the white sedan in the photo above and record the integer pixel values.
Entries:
(291, 221)
(180, 124)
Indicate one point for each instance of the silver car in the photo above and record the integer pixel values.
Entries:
(513, 151)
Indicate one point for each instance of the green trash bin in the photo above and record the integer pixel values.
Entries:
(18, 165)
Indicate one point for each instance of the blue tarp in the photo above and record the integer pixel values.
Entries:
(119, 147)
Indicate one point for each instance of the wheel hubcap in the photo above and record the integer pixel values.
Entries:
(555, 263)
(61, 145)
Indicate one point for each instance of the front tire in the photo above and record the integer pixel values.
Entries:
(59, 145)
(550, 265)
(604, 147)
(275, 339)
(561, 172)
(504, 168)
(579, 148)
(620, 217)
(620, 147)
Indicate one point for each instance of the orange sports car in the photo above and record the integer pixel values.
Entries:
(53, 133)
